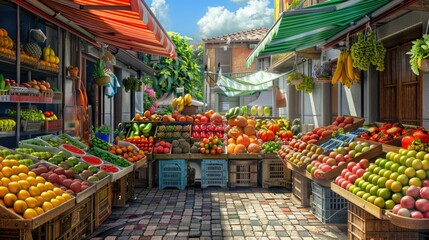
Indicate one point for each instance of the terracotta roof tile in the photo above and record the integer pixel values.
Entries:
(256, 34)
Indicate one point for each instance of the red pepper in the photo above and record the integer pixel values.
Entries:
(424, 137)
(407, 141)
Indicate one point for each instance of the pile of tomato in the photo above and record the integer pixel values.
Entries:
(142, 142)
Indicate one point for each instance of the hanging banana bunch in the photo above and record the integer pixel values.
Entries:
(179, 103)
(345, 73)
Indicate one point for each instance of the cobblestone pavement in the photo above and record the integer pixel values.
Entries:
(214, 213)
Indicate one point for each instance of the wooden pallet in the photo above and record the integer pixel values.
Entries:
(301, 188)
(123, 190)
(243, 173)
(102, 204)
(275, 174)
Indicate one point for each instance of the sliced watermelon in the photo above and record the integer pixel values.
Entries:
(92, 160)
(72, 149)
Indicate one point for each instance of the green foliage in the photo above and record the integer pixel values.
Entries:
(131, 83)
(183, 71)
(99, 69)
(103, 129)
(419, 51)
(306, 83)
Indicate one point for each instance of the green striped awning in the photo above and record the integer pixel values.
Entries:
(314, 25)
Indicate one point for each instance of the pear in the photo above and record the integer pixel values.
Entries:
(260, 111)
(254, 110)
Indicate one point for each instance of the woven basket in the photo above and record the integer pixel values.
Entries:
(324, 79)
(425, 65)
(102, 81)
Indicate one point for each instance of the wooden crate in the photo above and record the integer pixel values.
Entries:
(243, 173)
(362, 226)
(76, 223)
(275, 174)
(301, 188)
(123, 190)
(141, 177)
(102, 204)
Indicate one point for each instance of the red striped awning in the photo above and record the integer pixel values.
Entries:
(126, 24)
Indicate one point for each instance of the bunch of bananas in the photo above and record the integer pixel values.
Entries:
(419, 146)
(179, 103)
(345, 73)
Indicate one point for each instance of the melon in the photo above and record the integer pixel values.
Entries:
(249, 130)
(240, 121)
(253, 148)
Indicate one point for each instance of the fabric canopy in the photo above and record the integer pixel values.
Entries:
(126, 24)
(247, 85)
(311, 26)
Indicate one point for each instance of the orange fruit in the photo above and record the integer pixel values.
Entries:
(66, 196)
(6, 163)
(60, 198)
(3, 191)
(14, 162)
(52, 193)
(1, 174)
(2, 203)
(24, 184)
(5, 181)
(46, 206)
(40, 200)
(34, 191)
(31, 202)
(22, 175)
(58, 191)
(30, 213)
(7, 171)
(14, 178)
(23, 194)
(31, 174)
(46, 196)
(9, 199)
(55, 202)
(20, 206)
(49, 186)
(40, 179)
(32, 181)
(23, 168)
(16, 170)
(14, 187)
(39, 210)
(41, 187)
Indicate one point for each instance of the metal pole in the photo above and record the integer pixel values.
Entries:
(18, 71)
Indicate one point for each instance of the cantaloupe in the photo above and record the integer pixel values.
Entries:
(240, 148)
(249, 130)
(240, 121)
(243, 139)
(253, 148)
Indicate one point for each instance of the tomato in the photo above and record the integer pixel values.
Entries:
(421, 135)
(407, 141)
(203, 150)
(219, 150)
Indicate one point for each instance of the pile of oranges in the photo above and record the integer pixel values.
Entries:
(25, 193)
(127, 153)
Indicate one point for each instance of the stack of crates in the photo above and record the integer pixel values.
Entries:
(275, 174)
(173, 173)
(363, 225)
(328, 206)
(214, 172)
(301, 188)
(243, 173)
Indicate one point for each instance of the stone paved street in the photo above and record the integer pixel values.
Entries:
(214, 213)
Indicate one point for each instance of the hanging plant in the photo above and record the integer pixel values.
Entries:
(295, 78)
(301, 81)
(132, 84)
(99, 76)
(323, 72)
(419, 54)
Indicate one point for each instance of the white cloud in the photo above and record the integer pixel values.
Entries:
(160, 9)
(219, 20)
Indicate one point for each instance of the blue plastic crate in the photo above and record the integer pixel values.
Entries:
(173, 173)
(326, 199)
(337, 216)
(214, 172)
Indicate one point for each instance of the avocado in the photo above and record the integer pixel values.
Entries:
(87, 173)
(83, 176)
(93, 169)
(101, 174)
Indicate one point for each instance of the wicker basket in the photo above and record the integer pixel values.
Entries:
(102, 81)
(425, 65)
(324, 79)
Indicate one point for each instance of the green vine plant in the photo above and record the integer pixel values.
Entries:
(306, 82)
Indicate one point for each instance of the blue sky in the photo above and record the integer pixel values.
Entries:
(208, 18)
